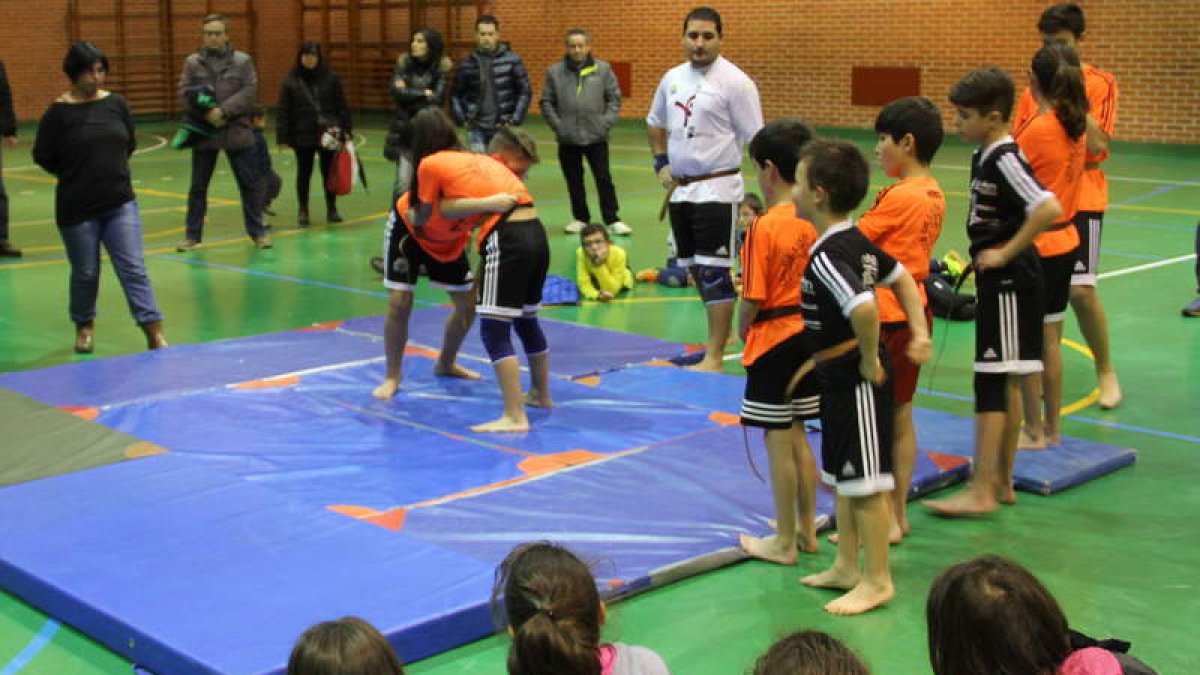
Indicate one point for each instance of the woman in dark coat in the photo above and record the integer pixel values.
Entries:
(418, 81)
(311, 101)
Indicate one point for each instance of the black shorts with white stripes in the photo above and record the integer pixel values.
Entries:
(1090, 225)
(513, 262)
(766, 404)
(856, 429)
(1008, 324)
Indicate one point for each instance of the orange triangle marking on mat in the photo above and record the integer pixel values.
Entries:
(413, 350)
(693, 348)
(144, 449)
(542, 464)
(589, 380)
(391, 519)
(88, 413)
(659, 363)
(946, 462)
(724, 419)
(287, 381)
(324, 325)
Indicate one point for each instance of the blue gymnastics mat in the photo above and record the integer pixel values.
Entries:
(289, 495)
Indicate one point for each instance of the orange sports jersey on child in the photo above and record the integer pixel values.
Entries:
(458, 174)
(773, 262)
(905, 222)
(1057, 162)
(1101, 89)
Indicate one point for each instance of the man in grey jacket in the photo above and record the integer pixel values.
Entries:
(228, 76)
(580, 102)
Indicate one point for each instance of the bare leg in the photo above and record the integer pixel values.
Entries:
(1008, 447)
(1093, 323)
(1052, 380)
(720, 321)
(1033, 433)
(508, 374)
(539, 381)
(904, 458)
(844, 572)
(457, 325)
(995, 449)
(395, 338)
(780, 547)
(874, 588)
(806, 469)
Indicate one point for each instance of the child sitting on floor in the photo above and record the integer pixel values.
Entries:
(601, 267)
(809, 652)
(348, 646)
(548, 600)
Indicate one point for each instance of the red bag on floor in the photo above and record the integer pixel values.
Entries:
(341, 172)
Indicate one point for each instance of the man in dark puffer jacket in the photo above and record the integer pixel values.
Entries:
(491, 86)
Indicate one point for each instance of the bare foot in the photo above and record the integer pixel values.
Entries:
(862, 598)
(806, 542)
(503, 425)
(386, 390)
(768, 548)
(1110, 391)
(456, 370)
(707, 365)
(832, 578)
(536, 399)
(1029, 441)
(965, 503)
(1053, 440)
(1006, 495)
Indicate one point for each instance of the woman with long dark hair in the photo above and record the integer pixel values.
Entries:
(85, 139)
(311, 102)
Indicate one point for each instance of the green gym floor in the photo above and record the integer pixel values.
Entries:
(1121, 553)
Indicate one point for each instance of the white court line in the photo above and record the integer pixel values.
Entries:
(1147, 266)
(162, 143)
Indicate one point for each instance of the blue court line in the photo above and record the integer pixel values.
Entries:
(281, 277)
(35, 646)
(1088, 420)
(1160, 190)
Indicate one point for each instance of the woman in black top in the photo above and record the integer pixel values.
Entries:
(311, 101)
(85, 139)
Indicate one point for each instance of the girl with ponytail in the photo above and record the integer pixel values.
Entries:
(1054, 141)
(547, 599)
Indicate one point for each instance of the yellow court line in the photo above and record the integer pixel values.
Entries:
(1093, 395)
(213, 201)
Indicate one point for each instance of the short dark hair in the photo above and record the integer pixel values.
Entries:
(985, 90)
(487, 18)
(839, 168)
(216, 17)
(755, 202)
(519, 140)
(1060, 17)
(781, 141)
(703, 14)
(348, 645)
(81, 57)
(809, 652)
(593, 228)
(990, 615)
(914, 115)
(578, 31)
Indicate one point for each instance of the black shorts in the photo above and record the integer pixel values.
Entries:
(513, 262)
(856, 430)
(1089, 224)
(1056, 276)
(765, 403)
(404, 261)
(1008, 325)
(703, 232)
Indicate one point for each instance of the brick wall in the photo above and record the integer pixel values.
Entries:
(801, 54)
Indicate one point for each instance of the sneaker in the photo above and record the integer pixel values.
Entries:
(1192, 310)
(262, 241)
(620, 228)
(188, 245)
(7, 250)
(574, 227)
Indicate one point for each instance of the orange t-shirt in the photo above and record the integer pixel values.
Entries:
(773, 262)
(1101, 89)
(458, 174)
(905, 222)
(1057, 162)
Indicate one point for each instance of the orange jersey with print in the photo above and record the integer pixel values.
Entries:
(773, 262)
(905, 222)
(1057, 162)
(1101, 89)
(458, 174)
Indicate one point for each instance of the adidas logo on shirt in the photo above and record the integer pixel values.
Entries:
(990, 353)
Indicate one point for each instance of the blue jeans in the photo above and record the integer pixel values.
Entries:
(242, 163)
(478, 138)
(120, 230)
